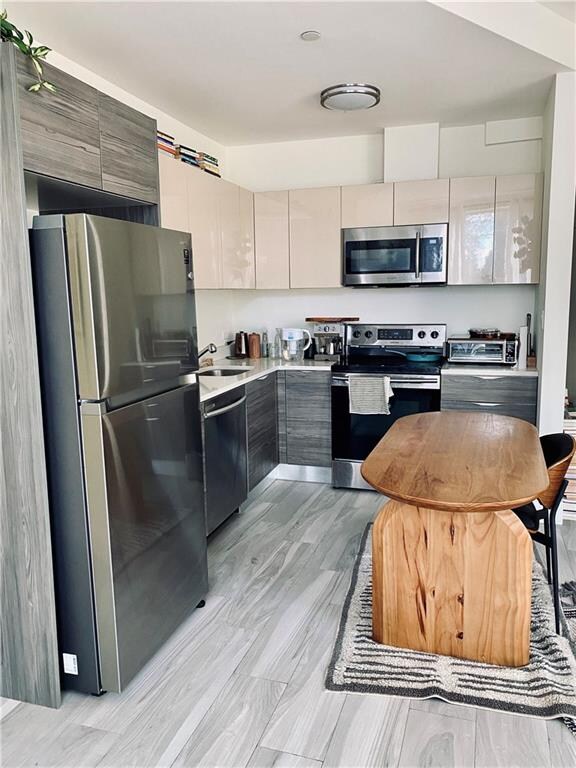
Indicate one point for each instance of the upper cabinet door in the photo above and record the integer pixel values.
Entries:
(315, 238)
(247, 266)
(229, 212)
(174, 209)
(368, 205)
(471, 230)
(421, 202)
(236, 208)
(518, 225)
(203, 209)
(59, 130)
(271, 234)
(128, 148)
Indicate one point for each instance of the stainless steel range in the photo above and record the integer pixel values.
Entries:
(411, 356)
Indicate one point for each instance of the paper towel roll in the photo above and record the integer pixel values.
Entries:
(523, 346)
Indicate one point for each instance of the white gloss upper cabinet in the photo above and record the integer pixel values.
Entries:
(204, 212)
(315, 238)
(235, 206)
(421, 202)
(471, 230)
(517, 228)
(247, 264)
(174, 209)
(271, 236)
(367, 205)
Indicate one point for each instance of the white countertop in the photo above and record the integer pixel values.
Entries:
(465, 369)
(210, 386)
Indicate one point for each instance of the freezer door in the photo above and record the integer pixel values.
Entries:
(133, 307)
(143, 467)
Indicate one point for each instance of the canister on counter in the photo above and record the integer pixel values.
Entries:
(254, 346)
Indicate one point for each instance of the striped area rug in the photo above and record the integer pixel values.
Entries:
(546, 687)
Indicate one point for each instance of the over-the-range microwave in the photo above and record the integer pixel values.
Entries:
(407, 255)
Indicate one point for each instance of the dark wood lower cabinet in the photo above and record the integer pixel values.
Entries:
(505, 394)
(262, 428)
(308, 418)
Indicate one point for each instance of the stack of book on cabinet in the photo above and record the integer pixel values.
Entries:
(189, 156)
(166, 143)
(209, 164)
(201, 160)
(570, 498)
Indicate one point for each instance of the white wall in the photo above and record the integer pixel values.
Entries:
(361, 159)
(311, 163)
(216, 315)
(411, 152)
(557, 244)
(460, 307)
(463, 152)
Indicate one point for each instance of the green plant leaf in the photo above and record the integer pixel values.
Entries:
(37, 66)
(22, 46)
(30, 38)
(49, 86)
(41, 51)
(35, 87)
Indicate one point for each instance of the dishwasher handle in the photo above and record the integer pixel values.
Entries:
(226, 408)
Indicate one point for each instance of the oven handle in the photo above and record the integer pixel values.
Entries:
(432, 383)
(417, 254)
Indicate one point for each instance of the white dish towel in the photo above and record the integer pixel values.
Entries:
(370, 394)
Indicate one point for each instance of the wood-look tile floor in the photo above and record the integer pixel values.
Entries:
(241, 682)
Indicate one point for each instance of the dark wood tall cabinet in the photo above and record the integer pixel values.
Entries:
(101, 154)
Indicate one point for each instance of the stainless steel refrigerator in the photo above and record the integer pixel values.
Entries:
(116, 325)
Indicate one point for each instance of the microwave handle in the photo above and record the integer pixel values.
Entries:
(417, 253)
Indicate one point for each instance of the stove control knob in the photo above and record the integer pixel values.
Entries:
(434, 334)
(368, 334)
(326, 329)
(356, 334)
(421, 334)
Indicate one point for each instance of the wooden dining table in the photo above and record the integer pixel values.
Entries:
(451, 562)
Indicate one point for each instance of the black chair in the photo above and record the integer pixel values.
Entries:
(558, 450)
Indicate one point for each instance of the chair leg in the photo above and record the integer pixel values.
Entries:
(554, 555)
(548, 546)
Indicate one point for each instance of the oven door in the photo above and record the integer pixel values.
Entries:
(355, 435)
(380, 256)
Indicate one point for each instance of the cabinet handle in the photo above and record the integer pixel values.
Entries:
(488, 405)
(490, 378)
(226, 408)
(263, 378)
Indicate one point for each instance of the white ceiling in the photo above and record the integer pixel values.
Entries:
(238, 71)
(566, 8)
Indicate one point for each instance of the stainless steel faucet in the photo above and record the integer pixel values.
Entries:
(212, 348)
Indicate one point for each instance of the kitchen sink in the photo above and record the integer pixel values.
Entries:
(224, 371)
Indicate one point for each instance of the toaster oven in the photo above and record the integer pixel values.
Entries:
(482, 351)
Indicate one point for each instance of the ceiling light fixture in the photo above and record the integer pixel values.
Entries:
(350, 96)
(310, 35)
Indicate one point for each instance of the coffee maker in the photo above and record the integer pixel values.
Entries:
(328, 341)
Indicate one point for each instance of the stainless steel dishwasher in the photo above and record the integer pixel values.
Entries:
(225, 456)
